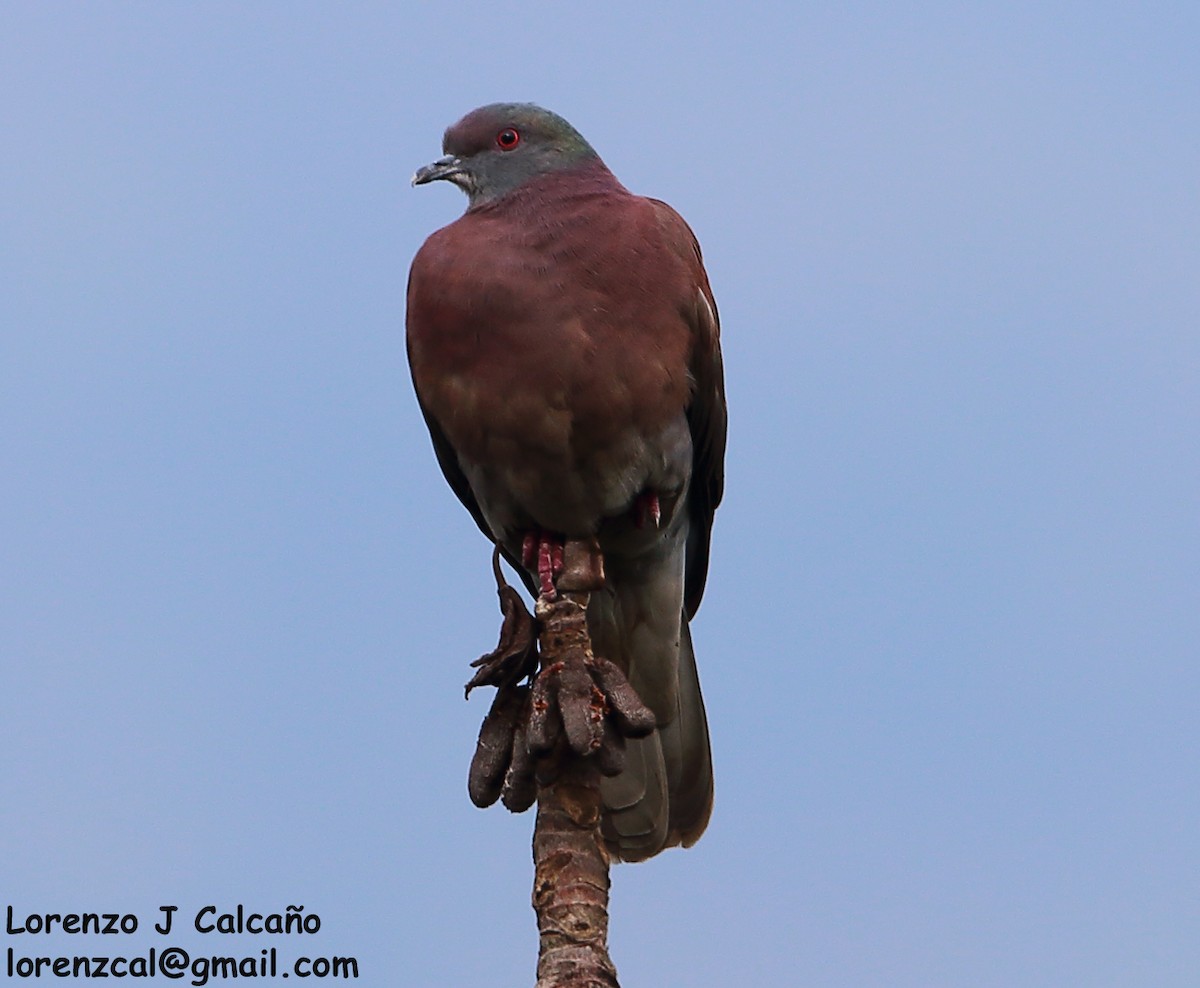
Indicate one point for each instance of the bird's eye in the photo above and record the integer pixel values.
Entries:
(507, 139)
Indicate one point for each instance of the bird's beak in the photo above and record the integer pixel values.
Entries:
(447, 167)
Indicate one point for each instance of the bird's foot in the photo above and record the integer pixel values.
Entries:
(583, 707)
(543, 551)
(575, 709)
(579, 706)
(515, 656)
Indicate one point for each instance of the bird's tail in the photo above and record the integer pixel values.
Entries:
(664, 795)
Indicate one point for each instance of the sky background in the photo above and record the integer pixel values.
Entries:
(949, 642)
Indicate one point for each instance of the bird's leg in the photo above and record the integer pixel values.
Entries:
(543, 551)
(647, 510)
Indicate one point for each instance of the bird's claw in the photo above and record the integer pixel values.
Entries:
(583, 709)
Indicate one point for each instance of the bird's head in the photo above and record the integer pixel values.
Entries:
(499, 147)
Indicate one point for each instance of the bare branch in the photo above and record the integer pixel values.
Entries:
(553, 741)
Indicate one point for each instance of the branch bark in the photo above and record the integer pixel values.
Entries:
(552, 741)
(571, 881)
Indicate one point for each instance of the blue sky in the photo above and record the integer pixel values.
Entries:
(950, 635)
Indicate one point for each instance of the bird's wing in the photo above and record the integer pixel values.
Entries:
(451, 469)
(706, 413)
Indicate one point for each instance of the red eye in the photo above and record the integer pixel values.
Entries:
(508, 139)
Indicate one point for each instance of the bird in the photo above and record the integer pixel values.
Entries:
(564, 346)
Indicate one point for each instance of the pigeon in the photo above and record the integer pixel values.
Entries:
(565, 351)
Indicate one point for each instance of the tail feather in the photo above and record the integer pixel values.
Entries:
(636, 803)
(687, 755)
(663, 797)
